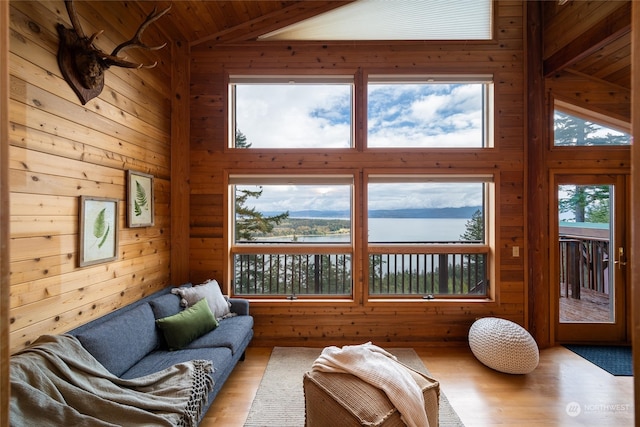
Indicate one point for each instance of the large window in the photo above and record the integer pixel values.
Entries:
(429, 112)
(428, 235)
(367, 227)
(292, 235)
(395, 20)
(291, 112)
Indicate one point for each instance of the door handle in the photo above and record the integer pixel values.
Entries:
(620, 261)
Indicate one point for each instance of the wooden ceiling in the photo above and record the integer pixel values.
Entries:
(590, 39)
(602, 52)
(214, 21)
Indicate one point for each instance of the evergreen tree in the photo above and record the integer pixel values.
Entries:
(573, 131)
(250, 223)
(588, 203)
(241, 140)
(474, 228)
(474, 266)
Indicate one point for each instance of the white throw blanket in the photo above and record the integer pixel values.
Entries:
(381, 369)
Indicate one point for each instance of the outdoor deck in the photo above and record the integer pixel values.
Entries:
(593, 306)
(584, 272)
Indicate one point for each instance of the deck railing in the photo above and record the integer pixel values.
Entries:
(292, 274)
(584, 264)
(426, 274)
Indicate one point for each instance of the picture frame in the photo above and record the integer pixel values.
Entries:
(98, 230)
(140, 211)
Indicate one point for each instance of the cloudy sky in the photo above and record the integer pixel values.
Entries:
(399, 115)
(436, 115)
(281, 198)
(300, 116)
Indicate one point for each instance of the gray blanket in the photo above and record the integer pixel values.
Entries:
(56, 382)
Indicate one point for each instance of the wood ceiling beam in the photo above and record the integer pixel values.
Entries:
(250, 30)
(605, 83)
(608, 29)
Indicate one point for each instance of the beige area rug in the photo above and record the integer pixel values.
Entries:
(279, 401)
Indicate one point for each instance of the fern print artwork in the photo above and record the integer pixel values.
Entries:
(99, 229)
(139, 199)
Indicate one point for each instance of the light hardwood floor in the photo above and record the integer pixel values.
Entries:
(480, 396)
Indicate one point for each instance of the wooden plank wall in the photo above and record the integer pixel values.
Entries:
(322, 323)
(60, 150)
(4, 214)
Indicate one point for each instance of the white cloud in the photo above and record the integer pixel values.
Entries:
(414, 115)
(281, 198)
(428, 195)
(405, 115)
(287, 115)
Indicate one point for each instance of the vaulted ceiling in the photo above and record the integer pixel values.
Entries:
(199, 21)
(591, 40)
(587, 57)
(602, 53)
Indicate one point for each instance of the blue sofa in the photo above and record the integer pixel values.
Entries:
(129, 344)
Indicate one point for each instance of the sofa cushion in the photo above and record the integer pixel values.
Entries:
(162, 359)
(182, 328)
(123, 340)
(210, 290)
(165, 305)
(230, 333)
(239, 306)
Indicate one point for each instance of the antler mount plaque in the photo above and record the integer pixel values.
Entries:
(83, 65)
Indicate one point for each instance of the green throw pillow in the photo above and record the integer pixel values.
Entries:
(182, 328)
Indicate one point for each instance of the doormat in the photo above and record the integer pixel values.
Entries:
(614, 359)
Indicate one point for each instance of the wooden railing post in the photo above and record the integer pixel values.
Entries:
(573, 267)
(443, 273)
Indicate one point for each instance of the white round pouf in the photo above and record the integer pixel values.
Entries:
(503, 345)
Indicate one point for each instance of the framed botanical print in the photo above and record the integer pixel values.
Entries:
(98, 230)
(139, 199)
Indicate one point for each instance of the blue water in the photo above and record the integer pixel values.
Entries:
(403, 230)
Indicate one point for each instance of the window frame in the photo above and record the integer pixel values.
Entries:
(372, 162)
(311, 177)
(488, 103)
(487, 247)
(279, 79)
(572, 109)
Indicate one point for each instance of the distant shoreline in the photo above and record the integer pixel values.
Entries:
(293, 230)
(419, 213)
(292, 236)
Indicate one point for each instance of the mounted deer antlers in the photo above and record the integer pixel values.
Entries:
(83, 65)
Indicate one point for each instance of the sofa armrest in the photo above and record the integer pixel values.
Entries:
(239, 306)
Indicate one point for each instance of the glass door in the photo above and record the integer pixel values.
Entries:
(588, 259)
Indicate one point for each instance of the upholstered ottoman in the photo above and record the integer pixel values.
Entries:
(503, 345)
(344, 400)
